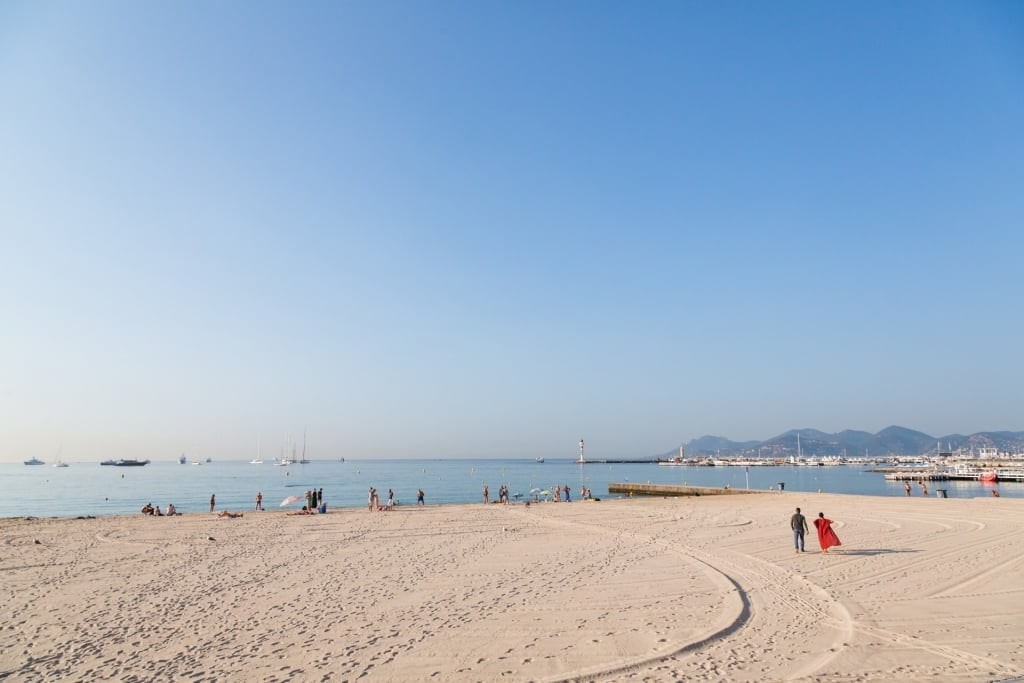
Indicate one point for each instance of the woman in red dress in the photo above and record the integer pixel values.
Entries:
(826, 537)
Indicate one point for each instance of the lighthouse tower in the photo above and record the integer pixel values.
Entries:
(581, 460)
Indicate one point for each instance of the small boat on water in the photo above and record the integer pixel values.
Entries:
(34, 461)
(182, 460)
(126, 462)
(540, 459)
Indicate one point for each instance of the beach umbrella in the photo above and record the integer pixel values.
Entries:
(291, 499)
(534, 491)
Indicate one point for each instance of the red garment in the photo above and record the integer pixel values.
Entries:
(826, 537)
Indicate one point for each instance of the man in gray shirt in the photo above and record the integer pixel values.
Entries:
(798, 523)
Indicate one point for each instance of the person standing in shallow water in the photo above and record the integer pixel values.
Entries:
(826, 536)
(486, 494)
(259, 500)
(906, 487)
(213, 501)
(798, 523)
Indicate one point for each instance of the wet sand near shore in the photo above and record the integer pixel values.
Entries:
(702, 589)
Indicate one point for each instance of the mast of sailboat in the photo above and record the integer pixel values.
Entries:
(798, 445)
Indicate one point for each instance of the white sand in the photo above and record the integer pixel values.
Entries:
(659, 589)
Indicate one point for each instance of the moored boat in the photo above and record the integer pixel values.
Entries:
(34, 461)
(125, 462)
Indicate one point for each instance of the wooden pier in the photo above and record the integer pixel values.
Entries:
(631, 489)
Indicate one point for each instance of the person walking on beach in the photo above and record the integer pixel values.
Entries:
(259, 500)
(906, 487)
(486, 494)
(419, 497)
(826, 537)
(798, 523)
(213, 501)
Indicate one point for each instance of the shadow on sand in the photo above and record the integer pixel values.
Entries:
(867, 551)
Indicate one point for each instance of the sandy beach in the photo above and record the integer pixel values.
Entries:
(702, 589)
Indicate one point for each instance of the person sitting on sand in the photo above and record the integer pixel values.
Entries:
(171, 511)
(303, 511)
(231, 515)
(147, 509)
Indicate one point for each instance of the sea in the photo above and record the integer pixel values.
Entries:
(89, 489)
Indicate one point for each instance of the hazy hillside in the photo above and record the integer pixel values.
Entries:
(893, 440)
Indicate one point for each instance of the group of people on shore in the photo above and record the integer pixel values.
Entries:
(374, 501)
(827, 537)
(559, 494)
(150, 509)
(924, 487)
(315, 503)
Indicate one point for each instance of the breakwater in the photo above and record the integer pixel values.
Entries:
(631, 489)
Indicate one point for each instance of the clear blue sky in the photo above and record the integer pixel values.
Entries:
(472, 229)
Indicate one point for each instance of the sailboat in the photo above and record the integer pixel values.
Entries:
(59, 463)
(258, 460)
(302, 460)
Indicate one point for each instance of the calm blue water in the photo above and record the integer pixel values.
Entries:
(89, 489)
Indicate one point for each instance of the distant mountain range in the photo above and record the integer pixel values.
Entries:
(889, 441)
